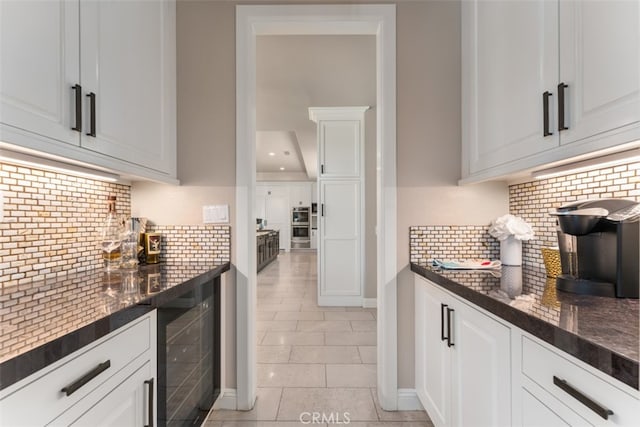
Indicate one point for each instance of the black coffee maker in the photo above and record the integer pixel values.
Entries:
(598, 242)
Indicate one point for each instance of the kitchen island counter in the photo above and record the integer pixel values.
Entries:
(42, 322)
(602, 332)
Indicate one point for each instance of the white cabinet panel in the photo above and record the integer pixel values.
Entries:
(300, 194)
(512, 59)
(432, 364)
(113, 60)
(600, 63)
(340, 134)
(127, 404)
(536, 413)
(463, 361)
(339, 148)
(130, 71)
(584, 55)
(39, 64)
(481, 369)
(340, 240)
(132, 345)
(543, 365)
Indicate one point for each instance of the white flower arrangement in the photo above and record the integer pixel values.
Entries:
(510, 225)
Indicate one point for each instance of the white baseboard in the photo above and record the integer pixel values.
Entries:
(408, 400)
(228, 399)
(369, 302)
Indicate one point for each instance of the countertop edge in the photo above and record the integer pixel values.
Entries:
(620, 367)
(20, 367)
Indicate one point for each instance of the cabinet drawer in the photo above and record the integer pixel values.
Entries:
(577, 386)
(44, 388)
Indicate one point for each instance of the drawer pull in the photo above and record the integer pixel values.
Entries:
(72, 388)
(545, 114)
(594, 406)
(450, 342)
(92, 119)
(561, 88)
(78, 101)
(442, 321)
(150, 404)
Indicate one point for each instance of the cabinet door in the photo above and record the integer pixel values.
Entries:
(481, 373)
(128, 61)
(432, 361)
(600, 63)
(126, 405)
(510, 58)
(339, 148)
(39, 64)
(544, 410)
(340, 244)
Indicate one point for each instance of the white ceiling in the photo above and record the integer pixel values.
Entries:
(278, 149)
(298, 72)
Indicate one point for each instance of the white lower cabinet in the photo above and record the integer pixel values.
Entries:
(574, 392)
(127, 404)
(108, 383)
(473, 369)
(463, 361)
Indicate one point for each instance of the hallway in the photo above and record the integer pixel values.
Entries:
(312, 359)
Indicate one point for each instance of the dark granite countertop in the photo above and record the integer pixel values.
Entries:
(42, 322)
(602, 332)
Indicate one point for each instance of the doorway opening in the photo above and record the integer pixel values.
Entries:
(251, 22)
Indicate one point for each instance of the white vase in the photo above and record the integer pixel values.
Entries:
(511, 251)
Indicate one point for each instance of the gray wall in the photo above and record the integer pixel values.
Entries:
(428, 138)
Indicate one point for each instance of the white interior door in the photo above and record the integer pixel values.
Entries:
(277, 214)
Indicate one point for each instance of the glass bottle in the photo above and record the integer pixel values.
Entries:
(111, 237)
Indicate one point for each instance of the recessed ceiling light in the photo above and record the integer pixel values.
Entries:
(281, 168)
(272, 154)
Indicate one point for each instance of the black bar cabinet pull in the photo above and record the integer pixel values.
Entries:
(72, 388)
(545, 112)
(442, 321)
(322, 209)
(561, 88)
(92, 119)
(449, 320)
(594, 406)
(150, 421)
(78, 92)
(322, 168)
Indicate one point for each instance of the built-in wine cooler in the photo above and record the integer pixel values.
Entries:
(189, 356)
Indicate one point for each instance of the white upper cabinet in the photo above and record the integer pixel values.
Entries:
(300, 195)
(39, 64)
(544, 81)
(600, 64)
(126, 61)
(505, 78)
(91, 81)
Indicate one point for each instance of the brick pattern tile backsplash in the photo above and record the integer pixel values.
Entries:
(451, 242)
(533, 200)
(50, 222)
(194, 243)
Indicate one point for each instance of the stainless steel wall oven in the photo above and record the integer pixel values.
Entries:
(300, 228)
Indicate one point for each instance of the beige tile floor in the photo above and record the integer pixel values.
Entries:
(311, 358)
